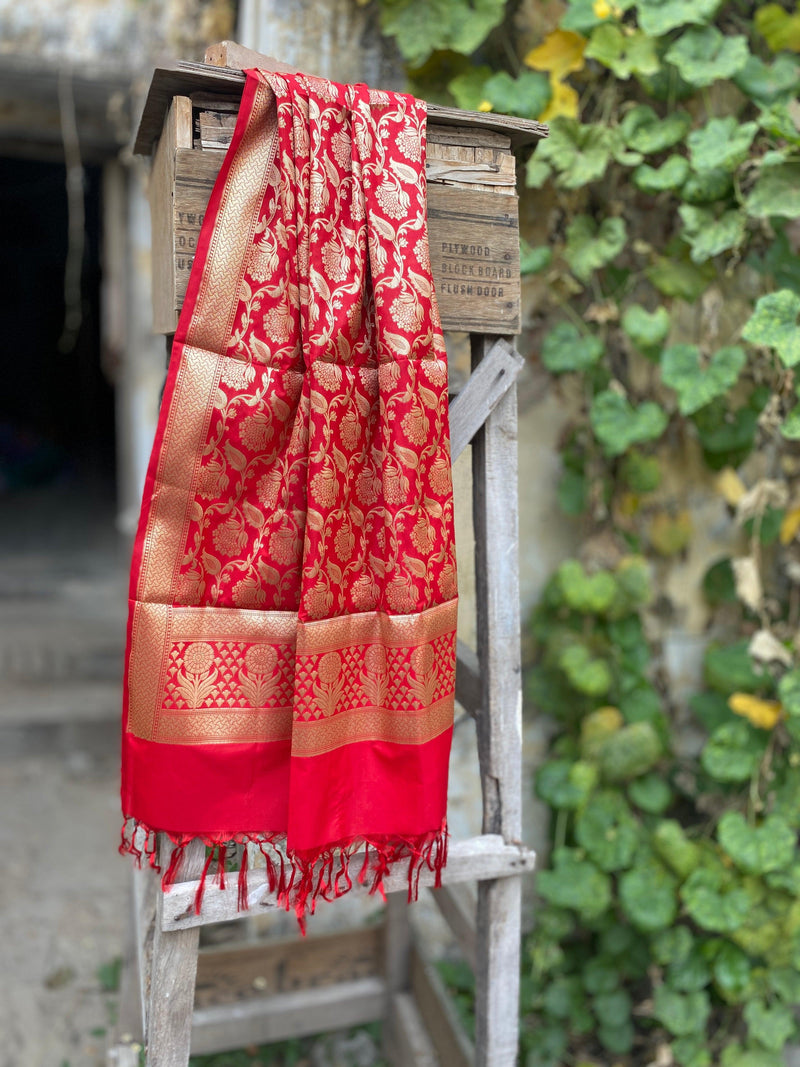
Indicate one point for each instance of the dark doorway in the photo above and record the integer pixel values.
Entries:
(56, 407)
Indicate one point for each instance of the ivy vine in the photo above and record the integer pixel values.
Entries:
(665, 283)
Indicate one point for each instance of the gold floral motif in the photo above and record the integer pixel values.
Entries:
(198, 679)
(259, 675)
(328, 690)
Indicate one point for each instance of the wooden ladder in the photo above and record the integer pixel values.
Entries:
(158, 1008)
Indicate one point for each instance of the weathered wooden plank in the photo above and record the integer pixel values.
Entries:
(466, 135)
(123, 1056)
(499, 725)
(452, 1045)
(474, 243)
(260, 971)
(407, 1043)
(397, 959)
(457, 905)
(307, 1011)
(186, 78)
(468, 679)
(486, 856)
(172, 975)
(176, 135)
(486, 387)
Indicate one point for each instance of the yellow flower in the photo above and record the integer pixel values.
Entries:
(484, 105)
(790, 525)
(603, 9)
(560, 53)
(729, 485)
(564, 101)
(761, 713)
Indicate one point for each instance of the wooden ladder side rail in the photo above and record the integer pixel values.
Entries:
(499, 724)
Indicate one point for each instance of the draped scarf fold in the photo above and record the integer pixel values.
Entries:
(291, 640)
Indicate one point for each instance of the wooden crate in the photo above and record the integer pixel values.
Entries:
(472, 203)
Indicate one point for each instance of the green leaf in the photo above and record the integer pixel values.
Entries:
(575, 883)
(532, 260)
(780, 260)
(527, 95)
(770, 1027)
(579, 154)
(681, 1013)
(735, 1056)
(705, 55)
(729, 669)
(467, 88)
(785, 981)
(711, 709)
(647, 329)
(690, 974)
(757, 849)
(713, 903)
(648, 895)
(573, 492)
(773, 324)
(782, 121)
(588, 247)
(727, 437)
(719, 584)
(691, 1051)
(586, 673)
(767, 83)
(721, 143)
(623, 53)
(707, 187)
(650, 793)
(617, 425)
(600, 975)
(681, 278)
(645, 131)
(422, 26)
(613, 1009)
(776, 193)
(616, 1039)
(709, 235)
(732, 971)
(580, 17)
(729, 755)
(672, 945)
(658, 17)
(673, 846)
(563, 995)
(789, 692)
(670, 175)
(629, 752)
(641, 473)
(590, 594)
(565, 349)
(564, 784)
(607, 831)
(791, 425)
(695, 384)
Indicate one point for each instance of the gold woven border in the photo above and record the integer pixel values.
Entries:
(372, 724)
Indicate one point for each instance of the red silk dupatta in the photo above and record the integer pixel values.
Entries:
(291, 642)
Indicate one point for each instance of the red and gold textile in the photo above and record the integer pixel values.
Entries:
(291, 641)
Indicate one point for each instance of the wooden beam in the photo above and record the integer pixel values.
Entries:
(453, 1047)
(495, 507)
(172, 973)
(183, 79)
(486, 387)
(407, 1042)
(457, 904)
(307, 1011)
(478, 857)
(468, 679)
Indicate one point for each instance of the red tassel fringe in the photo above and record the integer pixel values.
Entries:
(298, 880)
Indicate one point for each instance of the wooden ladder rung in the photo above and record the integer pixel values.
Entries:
(283, 1015)
(481, 858)
(457, 905)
